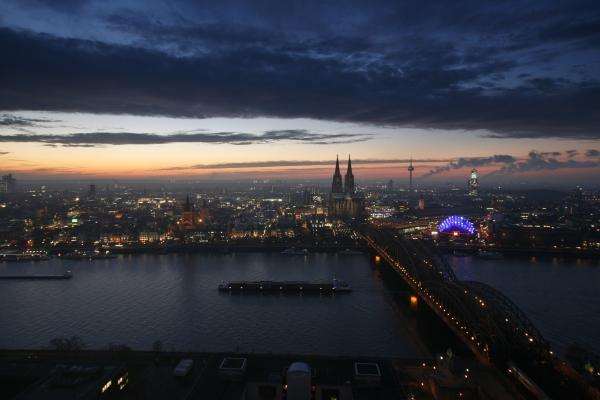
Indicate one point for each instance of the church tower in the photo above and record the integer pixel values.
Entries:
(344, 202)
(349, 179)
(187, 220)
(187, 206)
(336, 184)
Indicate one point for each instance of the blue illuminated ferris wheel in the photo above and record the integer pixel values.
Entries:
(456, 223)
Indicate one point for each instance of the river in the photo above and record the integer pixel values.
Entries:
(136, 300)
(560, 296)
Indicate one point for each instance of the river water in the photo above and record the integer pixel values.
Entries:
(560, 296)
(135, 300)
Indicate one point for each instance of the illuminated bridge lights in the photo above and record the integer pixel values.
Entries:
(471, 294)
(456, 223)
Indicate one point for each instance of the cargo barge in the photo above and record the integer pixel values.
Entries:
(22, 257)
(66, 275)
(334, 286)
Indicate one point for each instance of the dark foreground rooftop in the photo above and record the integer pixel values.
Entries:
(127, 374)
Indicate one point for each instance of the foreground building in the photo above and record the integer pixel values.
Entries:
(344, 202)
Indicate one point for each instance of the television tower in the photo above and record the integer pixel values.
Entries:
(410, 171)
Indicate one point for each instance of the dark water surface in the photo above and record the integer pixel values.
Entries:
(136, 300)
(560, 296)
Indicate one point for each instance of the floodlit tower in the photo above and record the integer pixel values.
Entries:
(473, 183)
(410, 172)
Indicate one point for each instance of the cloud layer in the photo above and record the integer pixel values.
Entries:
(508, 69)
(542, 162)
(12, 121)
(90, 139)
(535, 161)
(297, 163)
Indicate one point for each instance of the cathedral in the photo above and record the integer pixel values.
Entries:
(344, 203)
(192, 219)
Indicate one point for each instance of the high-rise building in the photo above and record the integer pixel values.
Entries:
(8, 184)
(473, 183)
(92, 191)
(410, 172)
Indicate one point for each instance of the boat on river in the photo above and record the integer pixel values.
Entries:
(335, 286)
(295, 252)
(66, 275)
(490, 255)
(12, 256)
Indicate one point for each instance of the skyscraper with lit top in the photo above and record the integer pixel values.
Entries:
(473, 183)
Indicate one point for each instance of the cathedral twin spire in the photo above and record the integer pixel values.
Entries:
(348, 185)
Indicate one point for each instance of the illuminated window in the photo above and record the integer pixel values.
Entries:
(106, 386)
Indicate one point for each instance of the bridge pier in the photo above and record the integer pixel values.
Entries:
(489, 324)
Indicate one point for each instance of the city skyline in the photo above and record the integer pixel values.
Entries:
(126, 90)
(299, 199)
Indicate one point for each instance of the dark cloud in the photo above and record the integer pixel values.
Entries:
(63, 6)
(592, 153)
(572, 153)
(299, 163)
(3, 153)
(464, 162)
(536, 161)
(505, 68)
(90, 139)
(8, 120)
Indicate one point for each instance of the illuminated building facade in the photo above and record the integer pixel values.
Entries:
(191, 218)
(421, 203)
(344, 203)
(456, 223)
(473, 183)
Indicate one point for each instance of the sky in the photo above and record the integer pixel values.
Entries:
(235, 89)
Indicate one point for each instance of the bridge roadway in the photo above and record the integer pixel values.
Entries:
(486, 321)
(434, 304)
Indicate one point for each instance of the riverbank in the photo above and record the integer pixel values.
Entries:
(523, 252)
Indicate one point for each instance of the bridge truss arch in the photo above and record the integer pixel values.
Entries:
(486, 319)
(518, 333)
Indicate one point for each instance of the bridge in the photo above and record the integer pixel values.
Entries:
(486, 321)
